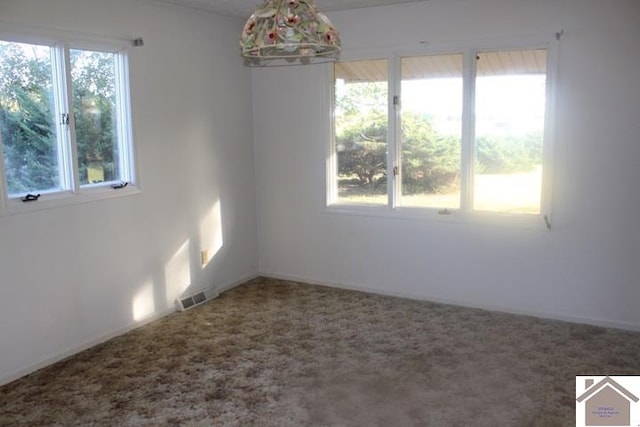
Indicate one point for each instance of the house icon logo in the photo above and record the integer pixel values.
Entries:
(606, 402)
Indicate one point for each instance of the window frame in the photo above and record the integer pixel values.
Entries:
(72, 192)
(465, 214)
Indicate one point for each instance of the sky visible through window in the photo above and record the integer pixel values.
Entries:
(499, 103)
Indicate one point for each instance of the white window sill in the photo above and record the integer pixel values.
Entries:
(63, 199)
(524, 221)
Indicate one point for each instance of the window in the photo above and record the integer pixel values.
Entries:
(431, 131)
(463, 133)
(361, 122)
(65, 125)
(509, 128)
(27, 118)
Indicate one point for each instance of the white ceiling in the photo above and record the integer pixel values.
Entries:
(244, 8)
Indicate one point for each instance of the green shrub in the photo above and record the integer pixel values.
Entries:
(430, 162)
(507, 154)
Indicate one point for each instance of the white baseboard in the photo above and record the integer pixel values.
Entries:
(314, 281)
(84, 346)
(5, 379)
(607, 323)
(236, 283)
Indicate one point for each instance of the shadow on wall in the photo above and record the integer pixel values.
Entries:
(183, 267)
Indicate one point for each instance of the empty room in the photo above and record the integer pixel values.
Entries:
(319, 213)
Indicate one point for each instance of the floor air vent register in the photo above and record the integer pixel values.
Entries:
(194, 300)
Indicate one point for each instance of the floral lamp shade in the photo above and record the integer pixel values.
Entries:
(283, 32)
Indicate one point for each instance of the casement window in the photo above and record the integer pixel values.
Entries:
(463, 133)
(65, 122)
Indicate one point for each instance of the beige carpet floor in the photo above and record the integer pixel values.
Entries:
(277, 353)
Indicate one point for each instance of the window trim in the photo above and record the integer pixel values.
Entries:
(72, 192)
(465, 214)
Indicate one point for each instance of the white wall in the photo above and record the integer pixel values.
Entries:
(586, 269)
(72, 276)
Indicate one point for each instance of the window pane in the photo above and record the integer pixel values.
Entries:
(29, 144)
(361, 101)
(431, 125)
(510, 108)
(93, 76)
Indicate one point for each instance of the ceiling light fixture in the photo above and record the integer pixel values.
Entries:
(289, 32)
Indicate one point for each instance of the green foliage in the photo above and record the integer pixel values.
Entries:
(363, 96)
(362, 150)
(430, 162)
(507, 154)
(27, 122)
(29, 148)
(361, 134)
(93, 106)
